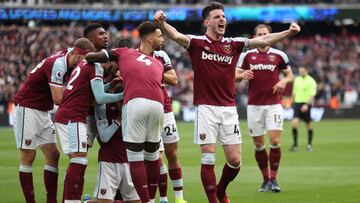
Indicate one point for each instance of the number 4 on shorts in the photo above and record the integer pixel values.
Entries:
(236, 129)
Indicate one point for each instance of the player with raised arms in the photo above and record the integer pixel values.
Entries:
(214, 59)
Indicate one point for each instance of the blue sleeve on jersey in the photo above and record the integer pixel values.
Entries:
(58, 72)
(105, 130)
(107, 87)
(101, 97)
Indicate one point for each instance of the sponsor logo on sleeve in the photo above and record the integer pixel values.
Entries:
(103, 191)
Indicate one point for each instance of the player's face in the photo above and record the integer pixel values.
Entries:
(261, 32)
(216, 22)
(99, 38)
(157, 40)
(302, 71)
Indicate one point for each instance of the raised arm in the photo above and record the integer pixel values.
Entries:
(170, 77)
(100, 57)
(270, 39)
(170, 31)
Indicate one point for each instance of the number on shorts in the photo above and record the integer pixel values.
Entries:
(236, 129)
(277, 118)
(76, 74)
(168, 131)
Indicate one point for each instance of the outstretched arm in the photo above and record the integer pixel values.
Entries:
(170, 31)
(101, 97)
(100, 57)
(270, 39)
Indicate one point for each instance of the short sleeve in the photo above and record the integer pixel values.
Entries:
(242, 43)
(57, 73)
(242, 63)
(284, 64)
(313, 87)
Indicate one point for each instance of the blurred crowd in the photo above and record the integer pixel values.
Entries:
(137, 2)
(334, 61)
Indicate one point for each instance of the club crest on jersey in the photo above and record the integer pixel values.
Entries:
(207, 48)
(103, 191)
(253, 57)
(202, 136)
(272, 58)
(83, 144)
(27, 141)
(227, 48)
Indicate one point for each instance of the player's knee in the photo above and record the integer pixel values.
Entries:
(234, 161)
(171, 155)
(151, 156)
(133, 156)
(275, 141)
(27, 157)
(208, 158)
(79, 160)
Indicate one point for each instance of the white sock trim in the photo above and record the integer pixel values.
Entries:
(79, 160)
(51, 168)
(260, 148)
(135, 156)
(234, 167)
(163, 169)
(151, 156)
(72, 201)
(25, 169)
(165, 199)
(208, 158)
(276, 146)
(177, 182)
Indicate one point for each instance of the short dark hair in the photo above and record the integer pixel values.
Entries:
(262, 26)
(212, 6)
(147, 27)
(90, 28)
(123, 42)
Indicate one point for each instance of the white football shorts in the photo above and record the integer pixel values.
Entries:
(73, 137)
(216, 123)
(263, 118)
(112, 177)
(32, 128)
(142, 120)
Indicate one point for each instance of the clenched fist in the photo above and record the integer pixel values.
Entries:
(294, 28)
(159, 17)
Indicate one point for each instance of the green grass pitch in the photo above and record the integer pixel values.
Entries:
(331, 173)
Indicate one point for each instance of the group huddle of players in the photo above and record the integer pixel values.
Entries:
(119, 96)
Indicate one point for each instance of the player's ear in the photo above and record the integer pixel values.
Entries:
(206, 22)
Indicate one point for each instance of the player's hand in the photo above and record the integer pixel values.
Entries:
(159, 17)
(304, 108)
(279, 86)
(294, 28)
(247, 75)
